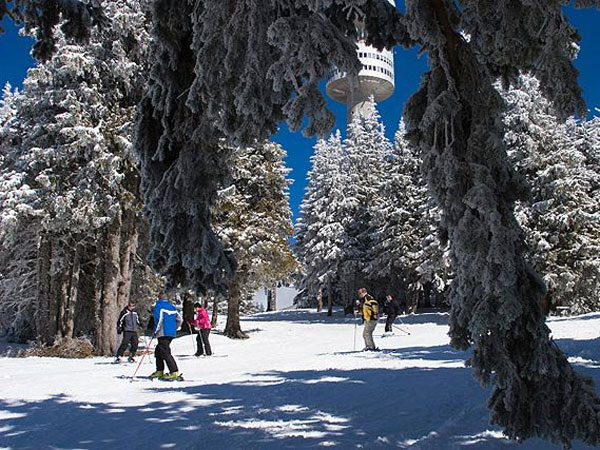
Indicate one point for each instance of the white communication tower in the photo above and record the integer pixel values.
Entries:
(375, 79)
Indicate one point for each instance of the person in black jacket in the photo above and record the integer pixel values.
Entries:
(392, 308)
(128, 324)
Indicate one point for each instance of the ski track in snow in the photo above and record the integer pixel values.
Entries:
(296, 383)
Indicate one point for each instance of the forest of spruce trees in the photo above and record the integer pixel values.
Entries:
(128, 164)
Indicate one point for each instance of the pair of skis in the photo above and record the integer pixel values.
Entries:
(148, 378)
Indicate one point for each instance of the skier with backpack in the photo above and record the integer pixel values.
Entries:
(167, 321)
(370, 315)
(128, 324)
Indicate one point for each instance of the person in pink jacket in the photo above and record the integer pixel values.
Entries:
(202, 323)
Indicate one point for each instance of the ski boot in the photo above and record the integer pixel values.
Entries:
(131, 359)
(117, 359)
(157, 374)
(173, 376)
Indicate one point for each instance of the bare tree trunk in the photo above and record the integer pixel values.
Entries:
(98, 289)
(73, 292)
(233, 328)
(58, 289)
(272, 298)
(329, 298)
(320, 300)
(127, 256)
(215, 312)
(42, 314)
(61, 296)
(107, 333)
(188, 311)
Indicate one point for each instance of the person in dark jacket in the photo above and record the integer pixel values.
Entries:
(166, 322)
(392, 308)
(128, 324)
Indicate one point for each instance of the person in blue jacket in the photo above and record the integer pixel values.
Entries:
(166, 323)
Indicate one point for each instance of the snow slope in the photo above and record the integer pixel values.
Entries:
(296, 383)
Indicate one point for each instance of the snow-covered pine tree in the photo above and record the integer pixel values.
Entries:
(7, 104)
(585, 134)
(366, 149)
(560, 220)
(405, 249)
(320, 233)
(253, 219)
(265, 61)
(455, 119)
(434, 269)
(18, 237)
(70, 182)
(396, 222)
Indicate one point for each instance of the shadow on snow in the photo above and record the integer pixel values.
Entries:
(416, 408)
(429, 408)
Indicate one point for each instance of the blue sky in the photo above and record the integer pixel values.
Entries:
(15, 60)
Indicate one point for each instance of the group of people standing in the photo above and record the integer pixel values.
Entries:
(366, 308)
(165, 320)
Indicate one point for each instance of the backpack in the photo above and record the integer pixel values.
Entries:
(373, 306)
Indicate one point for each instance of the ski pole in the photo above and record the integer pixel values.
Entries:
(193, 340)
(142, 359)
(401, 329)
(148, 347)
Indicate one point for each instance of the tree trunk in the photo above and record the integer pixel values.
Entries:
(107, 333)
(98, 279)
(215, 312)
(329, 298)
(129, 239)
(58, 289)
(272, 298)
(42, 313)
(188, 311)
(320, 300)
(73, 292)
(233, 328)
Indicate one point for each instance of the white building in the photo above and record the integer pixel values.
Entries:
(376, 78)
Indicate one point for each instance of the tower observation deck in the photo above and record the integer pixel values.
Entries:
(376, 78)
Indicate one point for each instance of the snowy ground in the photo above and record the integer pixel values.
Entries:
(296, 383)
